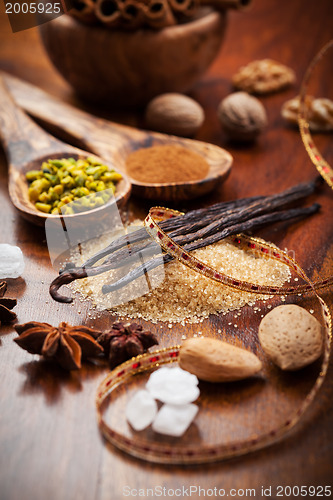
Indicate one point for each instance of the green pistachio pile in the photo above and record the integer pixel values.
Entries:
(64, 181)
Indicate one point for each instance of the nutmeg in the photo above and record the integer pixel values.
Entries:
(175, 114)
(242, 116)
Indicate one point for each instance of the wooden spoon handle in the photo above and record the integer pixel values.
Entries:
(94, 134)
(23, 140)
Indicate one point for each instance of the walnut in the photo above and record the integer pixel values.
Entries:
(319, 113)
(263, 77)
(242, 116)
(175, 114)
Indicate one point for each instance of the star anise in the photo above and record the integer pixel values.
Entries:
(6, 315)
(124, 341)
(66, 344)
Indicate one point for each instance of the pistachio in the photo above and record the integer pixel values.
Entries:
(214, 360)
(69, 180)
(44, 207)
(34, 175)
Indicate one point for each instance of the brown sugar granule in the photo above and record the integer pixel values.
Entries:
(185, 295)
(166, 164)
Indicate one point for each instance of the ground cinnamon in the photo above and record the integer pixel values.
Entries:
(166, 164)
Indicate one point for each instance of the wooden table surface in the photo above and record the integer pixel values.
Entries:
(50, 446)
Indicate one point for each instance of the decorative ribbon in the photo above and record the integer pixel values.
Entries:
(164, 453)
(320, 163)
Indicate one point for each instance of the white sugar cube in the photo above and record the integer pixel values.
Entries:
(173, 374)
(11, 261)
(174, 420)
(141, 410)
(173, 386)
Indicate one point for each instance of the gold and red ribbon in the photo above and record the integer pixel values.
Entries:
(320, 163)
(164, 453)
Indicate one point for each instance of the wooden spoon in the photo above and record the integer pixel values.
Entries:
(114, 142)
(27, 146)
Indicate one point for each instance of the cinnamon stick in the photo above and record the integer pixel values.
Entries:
(133, 14)
(84, 10)
(225, 4)
(109, 12)
(186, 7)
(158, 14)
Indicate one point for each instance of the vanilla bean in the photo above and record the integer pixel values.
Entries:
(125, 250)
(182, 236)
(216, 221)
(206, 223)
(204, 215)
(201, 214)
(236, 229)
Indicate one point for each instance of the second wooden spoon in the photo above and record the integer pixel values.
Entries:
(114, 142)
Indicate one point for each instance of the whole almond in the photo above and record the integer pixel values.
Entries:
(291, 337)
(175, 114)
(214, 360)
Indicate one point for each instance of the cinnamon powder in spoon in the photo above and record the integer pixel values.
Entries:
(166, 164)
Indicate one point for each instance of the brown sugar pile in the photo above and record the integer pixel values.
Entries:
(166, 164)
(184, 295)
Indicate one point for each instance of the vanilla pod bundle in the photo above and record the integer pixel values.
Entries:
(193, 230)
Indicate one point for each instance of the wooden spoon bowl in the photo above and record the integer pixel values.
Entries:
(218, 159)
(114, 142)
(27, 146)
(18, 192)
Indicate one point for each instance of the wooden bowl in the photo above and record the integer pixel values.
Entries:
(127, 69)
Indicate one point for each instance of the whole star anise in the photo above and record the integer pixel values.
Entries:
(66, 344)
(6, 315)
(124, 341)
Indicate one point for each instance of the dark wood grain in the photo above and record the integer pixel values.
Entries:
(50, 446)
